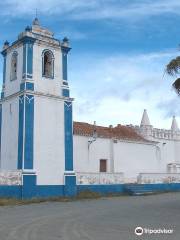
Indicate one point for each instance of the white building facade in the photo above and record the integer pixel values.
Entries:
(42, 154)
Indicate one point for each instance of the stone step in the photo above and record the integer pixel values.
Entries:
(138, 190)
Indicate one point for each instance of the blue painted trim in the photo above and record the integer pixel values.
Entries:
(28, 57)
(10, 191)
(4, 70)
(29, 132)
(70, 188)
(29, 186)
(0, 128)
(65, 92)
(64, 66)
(4, 75)
(121, 188)
(65, 51)
(20, 132)
(24, 61)
(68, 136)
(102, 189)
(22, 86)
(2, 95)
(30, 189)
(27, 86)
(26, 40)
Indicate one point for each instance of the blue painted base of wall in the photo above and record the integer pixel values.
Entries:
(70, 188)
(11, 192)
(31, 190)
(102, 189)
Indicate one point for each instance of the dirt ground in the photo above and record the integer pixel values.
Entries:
(99, 219)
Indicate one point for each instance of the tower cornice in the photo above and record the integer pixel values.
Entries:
(35, 93)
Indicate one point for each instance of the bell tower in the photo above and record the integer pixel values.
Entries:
(36, 110)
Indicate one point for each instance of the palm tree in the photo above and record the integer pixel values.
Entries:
(173, 69)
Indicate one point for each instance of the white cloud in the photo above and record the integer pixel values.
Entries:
(94, 9)
(116, 89)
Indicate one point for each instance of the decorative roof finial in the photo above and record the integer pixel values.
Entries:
(6, 44)
(36, 20)
(174, 125)
(145, 119)
(65, 42)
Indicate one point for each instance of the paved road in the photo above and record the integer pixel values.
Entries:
(102, 219)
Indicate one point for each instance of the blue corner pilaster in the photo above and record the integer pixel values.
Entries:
(27, 86)
(20, 132)
(4, 74)
(29, 132)
(70, 187)
(65, 92)
(26, 132)
(68, 136)
(29, 185)
(65, 51)
(28, 43)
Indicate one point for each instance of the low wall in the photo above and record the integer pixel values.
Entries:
(15, 184)
(99, 178)
(11, 178)
(145, 178)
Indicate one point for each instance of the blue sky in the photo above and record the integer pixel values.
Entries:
(119, 52)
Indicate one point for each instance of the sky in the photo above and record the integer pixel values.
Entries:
(120, 49)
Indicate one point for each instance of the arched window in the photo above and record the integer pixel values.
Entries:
(13, 75)
(48, 64)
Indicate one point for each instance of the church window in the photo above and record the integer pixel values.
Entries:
(48, 64)
(13, 75)
(103, 165)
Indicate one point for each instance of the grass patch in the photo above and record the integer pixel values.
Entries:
(84, 195)
(87, 194)
(14, 201)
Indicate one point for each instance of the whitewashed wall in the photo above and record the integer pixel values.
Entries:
(47, 85)
(170, 152)
(9, 138)
(131, 158)
(14, 86)
(49, 140)
(88, 160)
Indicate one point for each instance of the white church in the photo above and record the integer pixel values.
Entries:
(43, 153)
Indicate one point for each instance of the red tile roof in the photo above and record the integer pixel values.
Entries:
(118, 132)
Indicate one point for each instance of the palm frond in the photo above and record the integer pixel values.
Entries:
(173, 67)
